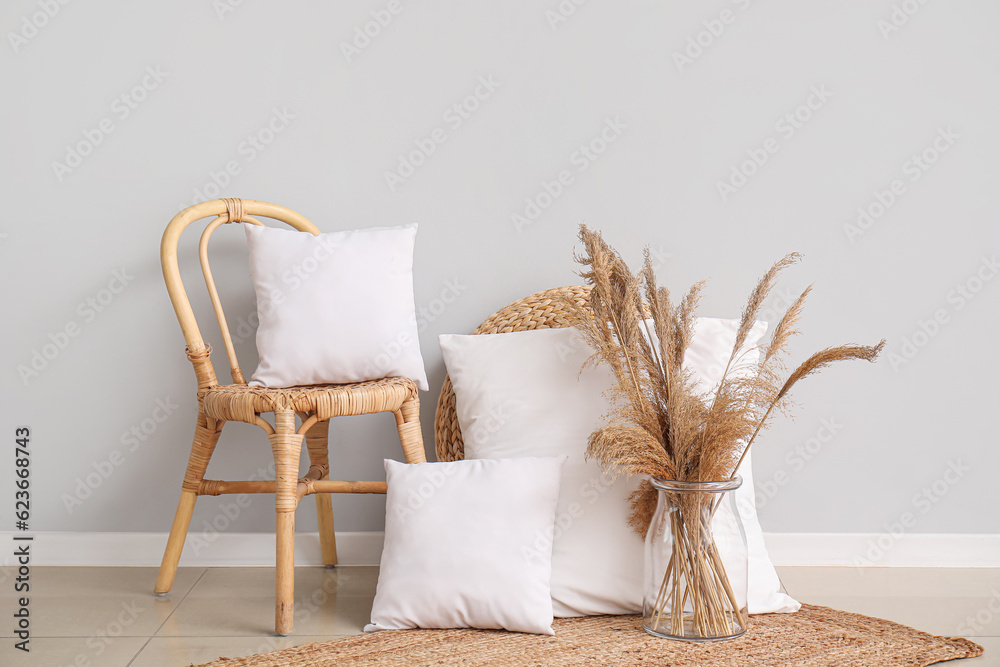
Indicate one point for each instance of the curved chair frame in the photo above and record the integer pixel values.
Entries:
(314, 405)
(550, 309)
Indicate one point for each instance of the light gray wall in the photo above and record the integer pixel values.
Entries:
(888, 94)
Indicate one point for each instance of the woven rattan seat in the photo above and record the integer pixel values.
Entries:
(239, 402)
(543, 310)
(313, 405)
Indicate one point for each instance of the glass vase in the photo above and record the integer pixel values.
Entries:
(695, 578)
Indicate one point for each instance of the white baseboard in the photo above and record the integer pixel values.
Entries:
(884, 549)
(200, 549)
(365, 548)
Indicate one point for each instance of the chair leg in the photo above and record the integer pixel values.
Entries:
(286, 445)
(408, 424)
(201, 452)
(319, 457)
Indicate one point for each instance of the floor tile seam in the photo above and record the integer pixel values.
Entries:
(181, 601)
(139, 652)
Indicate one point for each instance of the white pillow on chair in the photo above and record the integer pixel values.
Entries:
(522, 394)
(334, 308)
(467, 545)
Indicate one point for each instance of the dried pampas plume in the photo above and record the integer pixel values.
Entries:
(660, 426)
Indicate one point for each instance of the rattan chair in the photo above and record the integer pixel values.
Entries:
(314, 405)
(544, 310)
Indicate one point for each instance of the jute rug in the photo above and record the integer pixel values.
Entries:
(813, 637)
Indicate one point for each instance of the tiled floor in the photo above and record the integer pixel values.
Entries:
(108, 617)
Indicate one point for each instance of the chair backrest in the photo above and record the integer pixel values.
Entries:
(550, 309)
(225, 211)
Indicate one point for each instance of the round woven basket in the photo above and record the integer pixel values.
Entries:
(544, 310)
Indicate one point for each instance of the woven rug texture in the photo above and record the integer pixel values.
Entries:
(813, 637)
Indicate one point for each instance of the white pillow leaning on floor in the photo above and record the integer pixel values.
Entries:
(460, 545)
(522, 394)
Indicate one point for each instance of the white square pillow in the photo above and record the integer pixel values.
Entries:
(334, 307)
(468, 545)
(522, 394)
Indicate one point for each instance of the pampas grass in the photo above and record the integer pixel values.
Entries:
(661, 427)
